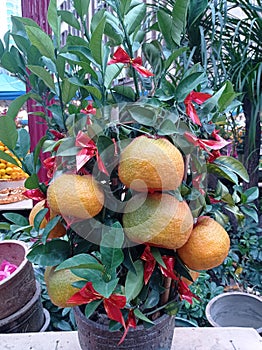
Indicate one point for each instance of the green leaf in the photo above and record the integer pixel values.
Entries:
(157, 255)
(96, 42)
(17, 219)
(49, 227)
(172, 308)
(134, 281)
(23, 143)
(135, 17)
(91, 307)
(223, 172)
(152, 300)
(43, 74)
(112, 71)
(166, 26)
(68, 91)
(9, 62)
(80, 261)
(8, 131)
(252, 194)
(4, 226)
(174, 55)
(250, 212)
(41, 41)
(39, 218)
(8, 158)
(110, 247)
(15, 105)
(179, 15)
(105, 288)
(69, 18)
(126, 91)
(142, 317)
(145, 116)
(227, 96)
(188, 84)
(32, 182)
(233, 165)
(81, 7)
(54, 20)
(38, 149)
(91, 89)
(52, 253)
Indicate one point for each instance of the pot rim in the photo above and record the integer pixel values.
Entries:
(23, 263)
(105, 327)
(226, 295)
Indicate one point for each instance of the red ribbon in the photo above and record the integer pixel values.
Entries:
(185, 292)
(216, 144)
(199, 98)
(50, 165)
(89, 110)
(112, 305)
(36, 194)
(121, 56)
(88, 151)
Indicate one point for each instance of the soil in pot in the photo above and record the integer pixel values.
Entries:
(94, 336)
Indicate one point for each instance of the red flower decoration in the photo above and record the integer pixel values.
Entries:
(185, 292)
(121, 56)
(205, 144)
(112, 305)
(89, 110)
(88, 151)
(199, 98)
(50, 165)
(36, 194)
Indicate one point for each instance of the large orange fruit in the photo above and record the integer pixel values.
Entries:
(75, 195)
(157, 219)
(58, 231)
(59, 285)
(151, 164)
(207, 246)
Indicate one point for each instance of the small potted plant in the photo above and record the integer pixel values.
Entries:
(126, 210)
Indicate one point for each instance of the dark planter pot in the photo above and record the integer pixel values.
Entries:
(30, 318)
(235, 309)
(17, 289)
(94, 336)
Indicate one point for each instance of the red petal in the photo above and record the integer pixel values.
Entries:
(191, 112)
(142, 70)
(120, 56)
(58, 135)
(199, 97)
(89, 109)
(170, 265)
(215, 145)
(150, 263)
(185, 292)
(36, 194)
(85, 295)
(112, 306)
(131, 322)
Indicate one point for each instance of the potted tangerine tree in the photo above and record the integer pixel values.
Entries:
(126, 210)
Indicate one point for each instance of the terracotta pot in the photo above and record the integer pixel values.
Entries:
(30, 318)
(17, 289)
(94, 336)
(235, 309)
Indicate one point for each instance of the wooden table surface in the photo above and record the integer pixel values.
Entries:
(229, 338)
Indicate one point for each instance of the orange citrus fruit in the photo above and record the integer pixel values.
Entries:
(75, 195)
(58, 231)
(207, 246)
(151, 164)
(59, 285)
(157, 219)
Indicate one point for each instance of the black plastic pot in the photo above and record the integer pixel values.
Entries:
(94, 336)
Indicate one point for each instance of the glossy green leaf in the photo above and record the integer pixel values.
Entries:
(188, 84)
(145, 116)
(96, 42)
(110, 247)
(172, 308)
(81, 7)
(81, 261)
(234, 165)
(91, 307)
(43, 74)
(134, 17)
(134, 281)
(8, 158)
(9, 62)
(252, 194)
(54, 20)
(105, 288)
(15, 105)
(166, 26)
(126, 91)
(222, 172)
(15, 218)
(142, 317)
(250, 212)
(68, 91)
(32, 182)
(179, 15)
(49, 227)
(39, 218)
(23, 143)
(152, 300)
(8, 131)
(4, 226)
(38, 149)
(52, 253)
(69, 18)
(41, 41)
(112, 71)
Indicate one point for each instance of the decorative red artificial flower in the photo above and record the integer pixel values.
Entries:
(58, 135)
(89, 110)
(88, 151)
(199, 98)
(205, 144)
(50, 165)
(121, 56)
(36, 194)
(185, 292)
(112, 305)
